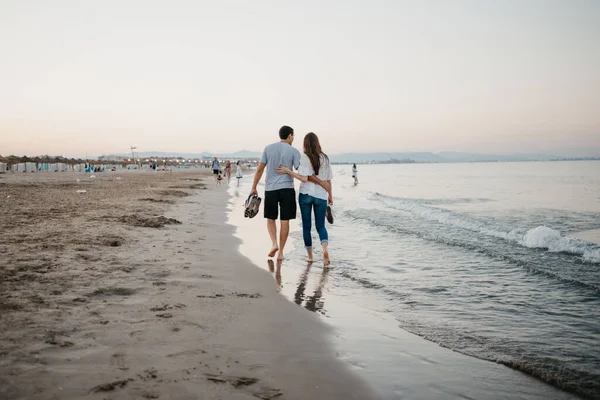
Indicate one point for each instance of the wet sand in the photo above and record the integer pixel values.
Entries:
(135, 289)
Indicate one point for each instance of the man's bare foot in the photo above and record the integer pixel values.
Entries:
(273, 251)
(326, 260)
(309, 260)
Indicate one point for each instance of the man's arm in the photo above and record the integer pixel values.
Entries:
(257, 177)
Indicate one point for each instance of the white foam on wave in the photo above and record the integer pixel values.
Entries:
(543, 237)
(540, 237)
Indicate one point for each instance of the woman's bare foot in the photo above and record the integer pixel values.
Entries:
(280, 257)
(309, 257)
(273, 251)
(326, 260)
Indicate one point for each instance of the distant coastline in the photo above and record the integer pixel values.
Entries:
(464, 162)
(252, 158)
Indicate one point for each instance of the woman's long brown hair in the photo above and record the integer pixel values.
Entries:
(312, 148)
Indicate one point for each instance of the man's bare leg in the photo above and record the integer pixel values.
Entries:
(272, 228)
(283, 235)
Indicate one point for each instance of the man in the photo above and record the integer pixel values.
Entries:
(280, 195)
(215, 166)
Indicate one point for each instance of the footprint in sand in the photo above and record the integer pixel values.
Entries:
(112, 291)
(164, 307)
(149, 373)
(110, 386)
(119, 360)
(254, 367)
(60, 343)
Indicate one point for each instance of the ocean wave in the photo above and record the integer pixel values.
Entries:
(540, 237)
(551, 266)
(456, 200)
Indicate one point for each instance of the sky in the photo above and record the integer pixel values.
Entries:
(488, 76)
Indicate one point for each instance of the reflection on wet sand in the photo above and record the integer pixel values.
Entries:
(277, 272)
(313, 303)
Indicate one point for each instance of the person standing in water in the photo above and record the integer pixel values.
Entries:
(228, 170)
(355, 174)
(315, 192)
(238, 172)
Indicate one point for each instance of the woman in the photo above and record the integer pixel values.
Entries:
(238, 172)
(355, 174)
(228, 170)
(315, 192)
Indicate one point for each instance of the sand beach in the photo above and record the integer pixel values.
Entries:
(130, 285)
(139, 284)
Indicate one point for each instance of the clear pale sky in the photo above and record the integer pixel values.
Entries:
(220, 76)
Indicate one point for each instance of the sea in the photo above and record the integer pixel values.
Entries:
(467, 280)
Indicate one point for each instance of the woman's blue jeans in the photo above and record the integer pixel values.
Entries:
(307, 204)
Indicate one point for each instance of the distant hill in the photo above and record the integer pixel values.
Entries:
(146, 154)
(379, 157)
(244, 154)
(442, 157)
(453, 156)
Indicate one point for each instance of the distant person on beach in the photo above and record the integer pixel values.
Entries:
(238, 172)
(355, 174)
(315, 192)
(228, 170)
(280, 195)
(215, 167)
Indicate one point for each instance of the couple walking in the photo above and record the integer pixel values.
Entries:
(314, 171)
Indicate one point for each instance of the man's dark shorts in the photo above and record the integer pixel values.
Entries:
(216, 171)
(282, 199)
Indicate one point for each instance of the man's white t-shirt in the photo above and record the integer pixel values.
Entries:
(325, 174)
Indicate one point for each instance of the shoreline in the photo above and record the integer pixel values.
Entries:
(168, 313)
(398, 363)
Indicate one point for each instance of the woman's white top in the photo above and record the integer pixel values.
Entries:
(325, 174)
(238, 171)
